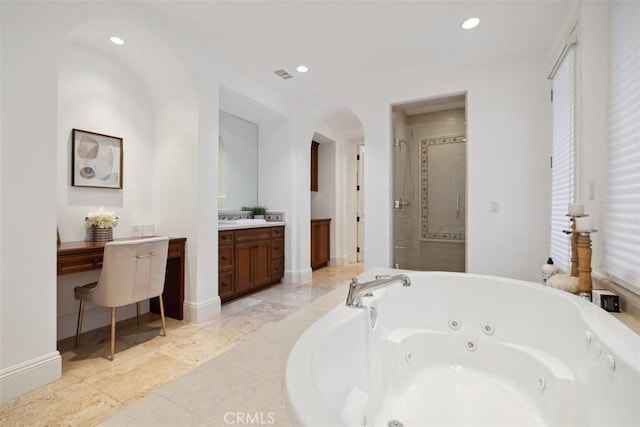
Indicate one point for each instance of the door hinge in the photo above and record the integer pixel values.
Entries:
(551, 162)
(358, 249)
(357, 188)
(357, 156)
(357, 219)
(551, 95)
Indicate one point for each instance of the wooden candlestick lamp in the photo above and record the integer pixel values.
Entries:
(584, 263)
(574, 248)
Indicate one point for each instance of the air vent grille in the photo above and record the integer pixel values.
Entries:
(283, 74)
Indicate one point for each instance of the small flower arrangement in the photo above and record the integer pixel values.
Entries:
(102, 219)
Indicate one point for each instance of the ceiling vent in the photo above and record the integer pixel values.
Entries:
(283, 74)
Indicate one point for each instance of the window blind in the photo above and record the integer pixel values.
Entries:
(622, 209)
(563, 158)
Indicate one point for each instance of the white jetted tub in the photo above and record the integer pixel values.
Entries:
(465, 350)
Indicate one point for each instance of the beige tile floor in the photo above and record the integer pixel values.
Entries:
(249, 340)
(208, 374)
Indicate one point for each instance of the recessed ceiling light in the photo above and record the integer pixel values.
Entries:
(470, 23)
(302, 68)
(116, 40)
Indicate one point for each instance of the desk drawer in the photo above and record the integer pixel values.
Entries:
(78, 263)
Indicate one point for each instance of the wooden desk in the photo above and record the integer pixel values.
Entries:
(75, 257)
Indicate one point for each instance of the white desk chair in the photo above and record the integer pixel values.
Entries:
(132, 271)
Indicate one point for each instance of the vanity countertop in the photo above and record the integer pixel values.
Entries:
(239, 226)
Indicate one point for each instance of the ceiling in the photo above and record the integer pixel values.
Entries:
(347, 42)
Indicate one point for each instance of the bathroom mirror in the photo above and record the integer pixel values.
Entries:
(238, 162)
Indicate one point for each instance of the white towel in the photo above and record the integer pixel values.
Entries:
(563, 282)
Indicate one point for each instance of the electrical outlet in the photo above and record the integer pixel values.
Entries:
(494, 206)
(136, 230)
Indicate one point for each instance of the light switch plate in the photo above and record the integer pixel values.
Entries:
(148, 230)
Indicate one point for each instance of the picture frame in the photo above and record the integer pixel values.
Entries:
(96, 160)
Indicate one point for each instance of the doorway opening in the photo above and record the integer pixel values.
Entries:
(429, 184)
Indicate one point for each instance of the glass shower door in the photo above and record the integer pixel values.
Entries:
(429, 188)
(404, 209)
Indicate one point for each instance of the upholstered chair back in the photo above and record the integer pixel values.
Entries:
(132, 271)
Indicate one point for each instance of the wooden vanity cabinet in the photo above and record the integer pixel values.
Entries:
(320, 242)
(257, 260)
(253, 258)
(277, 253)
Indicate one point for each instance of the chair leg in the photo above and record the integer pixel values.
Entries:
(113, 332)
(138, 311)
(164, 325)
(79, 326)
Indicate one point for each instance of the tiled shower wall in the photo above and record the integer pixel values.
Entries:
(410, 251)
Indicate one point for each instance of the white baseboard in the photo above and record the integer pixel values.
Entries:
(200, 312)
(339, 260)
(300, 276)
(30, 375)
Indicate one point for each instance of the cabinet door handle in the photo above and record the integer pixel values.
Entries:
(224, 258)
(96, 261)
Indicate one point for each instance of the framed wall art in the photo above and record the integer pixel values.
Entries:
(96, 160)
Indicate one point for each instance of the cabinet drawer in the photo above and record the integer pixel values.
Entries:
(277, 248)
(226, 287)
(253, 234)
(77, 263)
(225, 257)
(277, 268)
(277, 232)
(225, 237)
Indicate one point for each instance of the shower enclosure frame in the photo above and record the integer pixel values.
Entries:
(445, 249)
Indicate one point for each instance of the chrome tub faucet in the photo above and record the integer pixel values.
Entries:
(359, 290)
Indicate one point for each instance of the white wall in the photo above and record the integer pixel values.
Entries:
(592, 115)
(28, 355)
(97, 94)
(508, 153)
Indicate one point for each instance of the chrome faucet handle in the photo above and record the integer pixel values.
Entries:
(352, 292)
